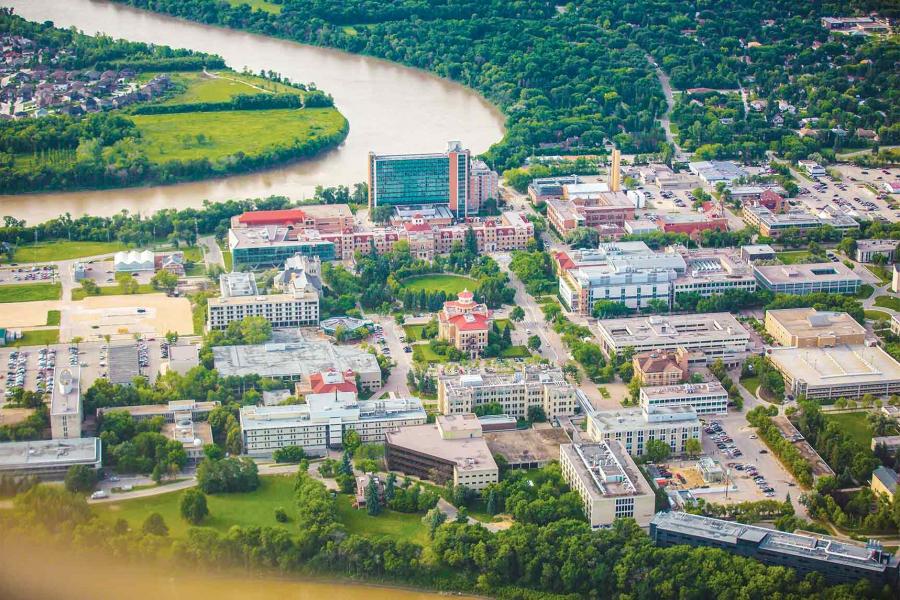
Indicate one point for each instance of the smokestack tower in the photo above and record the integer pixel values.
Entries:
(615, 176)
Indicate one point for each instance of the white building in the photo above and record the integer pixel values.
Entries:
(812, 168)
(133, 260)
(49, 459)
(240, 298)
(705, 398)
(636, 426)
(182, 358)
(322, 422)
(714, 171)
(65, 404)
(867, 250)
(609, 483)
(516, 392)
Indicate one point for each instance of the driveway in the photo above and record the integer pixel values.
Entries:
(212, 254)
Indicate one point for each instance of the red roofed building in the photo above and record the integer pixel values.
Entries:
(772, 201)
(465, 324)
(290, 216)
(327, 382)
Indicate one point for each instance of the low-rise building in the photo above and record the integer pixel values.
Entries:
(636, 426)
(714, 171)
(49, 459)
(774, 225)
(182, 358)
(840, 372)
(198, 410)
(711, 470)
(588, 208)
(297, 360)
(691, 223)
(546, 188)
(640, 227)
(451, 449)
(327, 382)
(838, 561)
(891, 443)
(362, 488)
(516, 392)
(706, 398)
(322, 421)
(240, 298)
(465, 324)
(608, 482)
(660, 368)
(65, 403)
(810, 328)
(812, 168)
(884, 481)
(132, 261)
(754, 252)
(712, 271)
(192, 435)
(867, 250)
(718, 335)
(801, 279)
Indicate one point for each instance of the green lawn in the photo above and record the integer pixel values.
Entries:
(53, 317)
(226, 257)
(62, 250)
(451, 284)
(855, 425)
(39, 337)
(877, 315)
(794, 256)
(192, 253)
(252, 509)
(113, 290)
(397, 525)
(174, 136)
(228, 84)
(751, 383)
(30, 292)
(413, 332)
(422, 353)
(515, 352)
(892, 302)
(880, 272)
(864, 291)
(262, 5)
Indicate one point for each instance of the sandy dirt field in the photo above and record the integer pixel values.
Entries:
(27, 314)
(121, 316)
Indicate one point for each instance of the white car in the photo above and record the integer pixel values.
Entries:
(99, 495)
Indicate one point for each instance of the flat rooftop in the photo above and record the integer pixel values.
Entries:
(809, 322)
(876, 245)
(816, 547)
(66, 396)
(630, 419)
(146, 410)
(322, 408)
(47, 453)
(684, 390)
(297, 358)
(466, 453)
(670, 330)
(841, 365)
(796, 273)
(606, 470)
(527, 445)
(237, 284)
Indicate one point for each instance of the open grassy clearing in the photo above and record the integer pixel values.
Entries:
(793, 256)
(218, 135)
(262, 5)
(422, 353)
(880, 272)
(113, 290)
(222, 86)
(877, 315)
(855, 425)
(515, 352)
(30, 292)
(53, 317)
(39, 337)
(751, 384)
(62, 250)
(891, 302)
(451, 284)
(401, 526)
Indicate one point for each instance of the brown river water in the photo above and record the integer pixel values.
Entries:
(391, 109)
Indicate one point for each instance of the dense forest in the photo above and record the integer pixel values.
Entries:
(578, 73)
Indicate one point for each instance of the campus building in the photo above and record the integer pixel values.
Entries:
(636, 426)
(608, 482)
(132, 261)
(837, 372)
(884, 481)
(49, 459)
(867, 250)
(691, 224)
(451, 449)
(484, 184)
(296, 360)
(182, 358)
(440, 178)
(714, 171)
(322, 421)
(755, 252)
(582, 206)
(465, 324)
(838, 561)
(717, 335)
(800, 279)
(239, 298)
(771, 224)
(192, 435)
(706, 398)
(198, 410)
(711, 271)
(810, 328)
(661, 368)
(547, 188)
(516, 392)
(65, 404)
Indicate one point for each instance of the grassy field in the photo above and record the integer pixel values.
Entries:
(223, 87)
(855, 425)
(422, 353)
(413, 332)
(62, 250)
(880, 272)
(892, 302)
(865, 290)
(794, 256)
(53, 317)
(515, 352)
(257, 509)
(751, 383)
(113, 290)
(877, 315)
(451, 284)
(39, 337)
(30, 292)
(262, 5)
(175, 136)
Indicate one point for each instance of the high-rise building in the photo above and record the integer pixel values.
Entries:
(402, 179)
(483, 185)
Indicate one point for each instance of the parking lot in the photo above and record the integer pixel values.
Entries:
(33, 274)
(859, 193)
(32, 368)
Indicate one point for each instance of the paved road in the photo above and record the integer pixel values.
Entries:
(670, 101)
(403, 361)
(212, 254)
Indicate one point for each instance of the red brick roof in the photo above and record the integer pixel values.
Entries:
(470, 322)
(331, 381)
(272, 217)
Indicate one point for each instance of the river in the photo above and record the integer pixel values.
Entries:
(391, 109)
